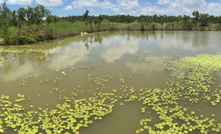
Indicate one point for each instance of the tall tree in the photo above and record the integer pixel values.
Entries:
(143, 22)
(40, 13)
(219, 20)
(5, 15)
(204, 20)
(49, 19)
(21, 17)
(87, 20)
(85, 15)
(187, 23)
(128, 20)
(196, 14)
(14, 18)
(98, 21)
(30, 15)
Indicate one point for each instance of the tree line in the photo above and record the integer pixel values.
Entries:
(30, 24)
(23, 17)
(39, 14)
(202, 18)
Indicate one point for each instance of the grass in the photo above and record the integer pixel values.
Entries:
(62, 29)
(214, 27)
(68, 28)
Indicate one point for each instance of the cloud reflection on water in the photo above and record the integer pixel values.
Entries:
(80, 54)
(120, 47)
(155, 65)
(113, 46)
(19, 71)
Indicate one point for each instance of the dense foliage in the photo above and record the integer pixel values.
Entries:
(202, 19)
(22, 17)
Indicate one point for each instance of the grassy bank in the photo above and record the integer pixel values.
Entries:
(33, 34)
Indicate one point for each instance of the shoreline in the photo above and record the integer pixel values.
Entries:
(83, 33)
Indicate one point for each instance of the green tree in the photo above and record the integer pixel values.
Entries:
(98, 21)
(40, 12)
(21, 17)
(30, 15)
(187, 23)
(143, 22)
(90, 23)
(196, 14)
(85, 15)
(14, 18)
(5, 15)
(128, 20)
(219, 20)
(50, 19)
(204, 20)
(88, 20)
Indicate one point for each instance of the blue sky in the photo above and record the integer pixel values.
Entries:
(113, 7)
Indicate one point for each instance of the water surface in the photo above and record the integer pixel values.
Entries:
(47, 71)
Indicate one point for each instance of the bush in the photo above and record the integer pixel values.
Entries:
(19, 40)
(26, 40)
(11, 41)
(40, 38)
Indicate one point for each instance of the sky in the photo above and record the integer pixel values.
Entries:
(114, 7)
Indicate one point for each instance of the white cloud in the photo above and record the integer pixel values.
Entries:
(131, 7)
(184, 3)
(150, 10)
(49, 2)
(214, 8)
(163, 2)
(192, 3)
(69, 7)
(187, 6)
(19, 2)
(84, 3)
(79, 4)
(174, 7)
(170, 7)
(147, 4)
(128, 4)
(106, 5)
(116, 9)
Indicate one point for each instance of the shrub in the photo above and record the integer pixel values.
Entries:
(11, 41)
(19, 40)
(39, 38)
(26, 40)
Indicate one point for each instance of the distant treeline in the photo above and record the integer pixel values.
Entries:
(34, 24)
(204, 19)
(200, 18)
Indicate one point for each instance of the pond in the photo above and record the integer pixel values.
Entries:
(114, 83)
